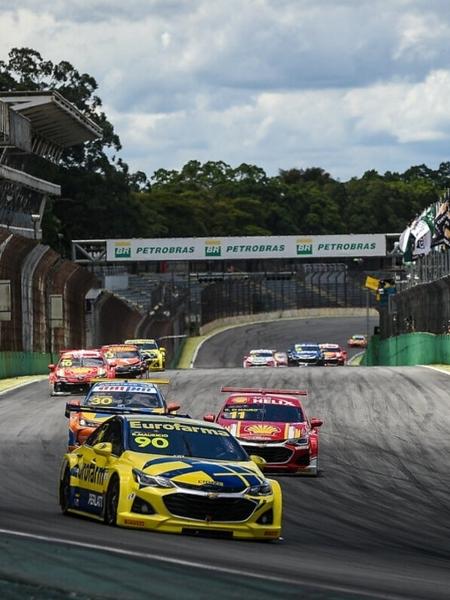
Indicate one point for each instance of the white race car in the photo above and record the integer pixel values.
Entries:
(265, 358)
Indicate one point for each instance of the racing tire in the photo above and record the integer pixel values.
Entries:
(64, 492)
(112, 501)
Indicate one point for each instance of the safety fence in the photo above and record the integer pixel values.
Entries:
(262, 293)
(15, 364)
(423, 307)
(407, 350)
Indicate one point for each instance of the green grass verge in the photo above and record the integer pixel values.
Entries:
(13, 382)
(441, 367)
(189, 348)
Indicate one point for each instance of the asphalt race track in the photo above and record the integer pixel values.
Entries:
(227, 348)
(375, 524)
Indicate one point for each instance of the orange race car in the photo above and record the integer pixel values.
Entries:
(105, 398)
(128, 361)
(357, 341)
(76, 369)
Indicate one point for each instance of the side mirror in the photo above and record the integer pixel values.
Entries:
(316, 422)
(210, 418)
(172, 407)
(52, 367)
(103, 448)
(163, 350)
(112, 364)
(258, 460)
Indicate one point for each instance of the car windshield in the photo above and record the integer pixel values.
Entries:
(125, 399)
(83, 361)
(262, 354)
(122, 354)
(263, 412)
(149, 346)
(306, 348)
(92, 362)
(358, 337)
(183, 439)
(331, 348)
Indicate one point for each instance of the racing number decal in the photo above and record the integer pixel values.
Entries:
(237, 414)
(104, 400)
(144, 441)
(66, 362)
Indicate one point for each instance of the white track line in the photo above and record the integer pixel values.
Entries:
(192, 564)
(435, 369)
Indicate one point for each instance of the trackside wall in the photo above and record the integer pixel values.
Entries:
(31, 332)
(407, 350)
(15, 364)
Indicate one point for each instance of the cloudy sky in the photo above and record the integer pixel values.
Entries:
(345, 85)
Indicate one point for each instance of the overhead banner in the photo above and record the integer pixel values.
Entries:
(239, 248)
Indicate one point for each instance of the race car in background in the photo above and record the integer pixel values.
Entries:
(76, 369)
(272, 423)
(265, 358)
(357, 341)
(105, 397)
(305, 354)
(154, 354)
(170, 474)
(127, 359)
(333, 354)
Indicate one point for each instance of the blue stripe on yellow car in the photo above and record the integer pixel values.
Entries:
(188, 470)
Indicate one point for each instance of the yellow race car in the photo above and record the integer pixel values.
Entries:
(170, 474)
(154, 354)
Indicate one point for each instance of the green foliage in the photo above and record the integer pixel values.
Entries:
(101, 198)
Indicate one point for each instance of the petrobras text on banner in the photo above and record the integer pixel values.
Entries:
(237, 248)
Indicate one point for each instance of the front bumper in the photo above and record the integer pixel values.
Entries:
(334, 362)
(155, 364)
(283, 458)
(302, 362)
(249, 523)
(130, 371)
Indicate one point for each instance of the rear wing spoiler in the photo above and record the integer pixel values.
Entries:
(119, 380)
(250, 390)
(117, 410)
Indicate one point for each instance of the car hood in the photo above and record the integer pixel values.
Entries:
(83, 372)
(264, 431)
(123, 362)
(199, 474)
(99, 417)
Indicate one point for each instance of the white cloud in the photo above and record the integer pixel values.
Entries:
(342, 85)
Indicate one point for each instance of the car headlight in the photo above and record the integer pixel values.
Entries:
(302, 441)
(87, 423)
(262, 489)
(101, 372)
(151, 480)
(60, 372)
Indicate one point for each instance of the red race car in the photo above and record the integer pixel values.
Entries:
(129, 362)
(272, 424)
(76, 369)
(333, 354)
